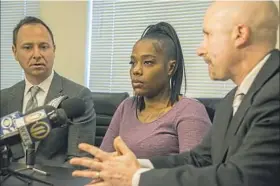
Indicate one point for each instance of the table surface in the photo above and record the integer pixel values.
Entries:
(59, 176)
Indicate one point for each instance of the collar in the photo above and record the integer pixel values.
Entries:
(44, 85)
(248, 80)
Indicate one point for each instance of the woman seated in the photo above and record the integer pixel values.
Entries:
(158, 120)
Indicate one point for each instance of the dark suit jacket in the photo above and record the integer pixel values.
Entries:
(62, 143)
(243, 150)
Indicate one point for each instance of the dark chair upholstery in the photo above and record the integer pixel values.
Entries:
(210, 105)
(105, 107)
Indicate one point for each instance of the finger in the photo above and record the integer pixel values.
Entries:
(96, 152)
(86, 162)
(98, 184)
(96, 159)
(121, 147)
(87, 174)
(96, 181)
(93, 159)
(114, 154)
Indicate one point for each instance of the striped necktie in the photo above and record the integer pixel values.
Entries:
(32, 102)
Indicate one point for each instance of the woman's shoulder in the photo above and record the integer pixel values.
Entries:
(125, 109)
(190, 102)
(127, 103)
(190, 106)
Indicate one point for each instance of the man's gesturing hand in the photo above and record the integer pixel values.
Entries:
(108, 169)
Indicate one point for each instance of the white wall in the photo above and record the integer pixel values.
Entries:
(68, 21)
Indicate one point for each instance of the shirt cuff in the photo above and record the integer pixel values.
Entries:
(145, 163)
(137, 174)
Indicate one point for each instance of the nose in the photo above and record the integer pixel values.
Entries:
(137, 69)
(200, 51)
(36, 52)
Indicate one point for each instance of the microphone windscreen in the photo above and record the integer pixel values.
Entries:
(61, 117)
(73, 107)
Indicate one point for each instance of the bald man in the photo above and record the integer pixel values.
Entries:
(243, 146)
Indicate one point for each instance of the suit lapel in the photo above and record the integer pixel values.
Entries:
(222, 123)
(16, 98)
(226, 112)
(265, 73)
(55, 89)
(268, 70)
(239, 115)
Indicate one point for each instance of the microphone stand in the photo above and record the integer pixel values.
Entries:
(6, 172)
(30, 155)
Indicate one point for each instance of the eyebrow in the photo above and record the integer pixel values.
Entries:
(26, 43)
(144, 56)
(30, 43)
(148, 55)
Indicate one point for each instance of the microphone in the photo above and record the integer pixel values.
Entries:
(7, 123)
(37, 124)
(37, 129)
(8, 128)
(34, 126)
(57, 101)
(73, 107)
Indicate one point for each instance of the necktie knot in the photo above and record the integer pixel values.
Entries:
(34, 91)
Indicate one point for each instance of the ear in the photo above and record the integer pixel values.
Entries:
(54, 49)
(241, 35)
(15, 52)
(171, 67)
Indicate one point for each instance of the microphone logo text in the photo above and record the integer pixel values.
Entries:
(40, 130)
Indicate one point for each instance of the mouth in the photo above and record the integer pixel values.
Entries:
(38, 65)
(207, 61)
(137, 83)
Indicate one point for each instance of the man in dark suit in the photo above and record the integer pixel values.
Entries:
(34, 49)
(243, 146)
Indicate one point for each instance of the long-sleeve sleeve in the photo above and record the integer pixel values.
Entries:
(113, 130)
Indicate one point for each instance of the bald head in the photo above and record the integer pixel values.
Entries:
(261, 18)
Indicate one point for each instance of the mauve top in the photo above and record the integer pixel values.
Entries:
(178, 130)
